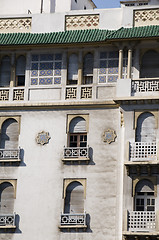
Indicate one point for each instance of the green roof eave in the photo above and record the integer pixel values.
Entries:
(78, 36)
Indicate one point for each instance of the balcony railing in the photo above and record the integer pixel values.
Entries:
(73, 219)
(7, 220)
(9, 154)
(12, 94)
(143, 151)
(76, 152)
(79, 92)
(145, 86)
(141, 221)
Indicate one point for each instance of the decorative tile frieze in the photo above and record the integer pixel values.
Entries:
(15, 25)
(78, 22)
(18, 94)
(4, 95)
(146, 17)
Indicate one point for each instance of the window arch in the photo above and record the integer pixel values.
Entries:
(74, 200)
(145, 131)
(6, 198)
(144, 196)
(77, 132)
(88, 64)
(73, 69)
(20, 70)
(150, 64)
(9, 134)
(5, 72)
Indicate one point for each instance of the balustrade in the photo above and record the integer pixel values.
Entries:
(9, 154)
(76, 152)
(7, 220)
(145, 86)
(73, 219)
(141, 221)
(143, 151)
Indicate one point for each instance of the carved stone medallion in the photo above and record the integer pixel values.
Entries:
(109, 136)
(42, 138)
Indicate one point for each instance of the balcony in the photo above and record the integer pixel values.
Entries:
(141, 221)
(7, 221)
(76, 154)
(79, 92)
(142, 89)
(73, 220)
(12, 94)
(10, 155)
(143, 151)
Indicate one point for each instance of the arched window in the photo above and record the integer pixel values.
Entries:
(20, 71)
(145, 131)
(150, 64)
(88, 64)
(77, 132)
(144, 196)
(6, 198)
(9, 134)
(5, 72)
(74, 200)
(73, 69)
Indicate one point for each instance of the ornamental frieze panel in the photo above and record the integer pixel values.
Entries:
(9, 25)
(146, 17)
(79, 22)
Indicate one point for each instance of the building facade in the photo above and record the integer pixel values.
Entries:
(79, 120)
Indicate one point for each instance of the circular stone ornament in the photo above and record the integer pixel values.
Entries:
(43, 138)
(109, 136)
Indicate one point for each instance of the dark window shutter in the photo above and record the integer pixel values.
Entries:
(150, 65)
(5, 72)
(73, 67)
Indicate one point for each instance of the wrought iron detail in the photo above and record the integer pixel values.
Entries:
(7, 220)
(71, 93)
(78, 152)
(86, 92)
(9, 154)
(73, 219)
(143, 151)
(18, 94)
(4, 95)
(141, 221)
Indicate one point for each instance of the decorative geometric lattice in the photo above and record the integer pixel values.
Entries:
(143, 151)
(71, 92)
(4, 95)
(86, 92)
(9, 154)
(7, 219)
(145, 86)
(82, 22)
(15, 24)
(73, 219)
(141, 221)
(146, 17)
(77, 152)
(18, 94)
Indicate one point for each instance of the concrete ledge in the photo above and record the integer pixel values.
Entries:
(72, 226)
(8, 227)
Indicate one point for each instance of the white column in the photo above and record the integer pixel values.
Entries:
(129, 63)
(120, 63)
